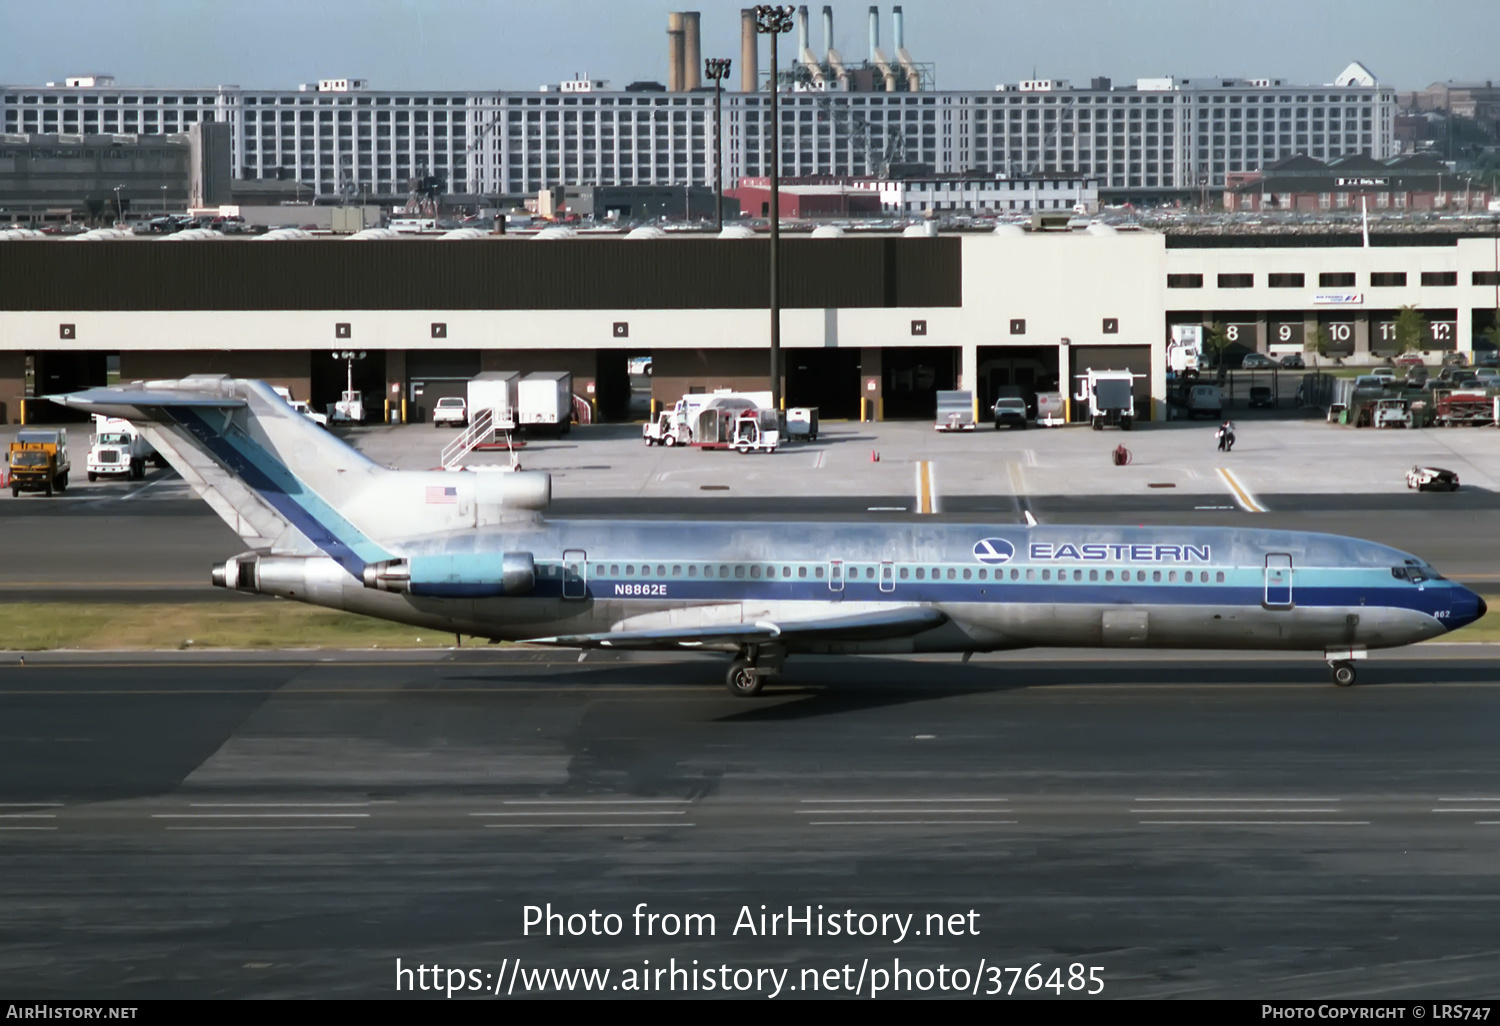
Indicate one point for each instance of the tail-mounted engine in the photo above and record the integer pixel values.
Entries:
(459, 576)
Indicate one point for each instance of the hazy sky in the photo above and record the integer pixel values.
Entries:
(485, 44)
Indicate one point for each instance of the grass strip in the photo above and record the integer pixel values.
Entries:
(38, 626)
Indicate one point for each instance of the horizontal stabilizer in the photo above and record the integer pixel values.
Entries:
(885, 623)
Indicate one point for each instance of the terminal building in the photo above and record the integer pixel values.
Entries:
(874, 324)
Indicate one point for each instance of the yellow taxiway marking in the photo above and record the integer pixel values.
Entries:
(926, 493)
(1241, 493)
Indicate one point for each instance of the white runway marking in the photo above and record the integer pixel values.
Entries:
(42, 815)
(913, 822)
(260, 815)
(596, 801)
(588, 812)
(1199, 801)
(279, 805)
(262, 829)
(892, 801)
(1255, 822)
(595, 826)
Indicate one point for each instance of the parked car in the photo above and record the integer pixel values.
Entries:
(1455, 359)
(1293, 361)
(1486, 358)
(1257, 361)
(1010, 412)
(1386, 374)
(1408, 360)
(1416, 377)
(1431, 479)
(1260, 395)
(451, 410)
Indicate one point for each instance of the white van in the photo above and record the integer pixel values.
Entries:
(1205, 401)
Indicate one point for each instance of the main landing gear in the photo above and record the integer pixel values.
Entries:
(750, 668)
(1343, 673)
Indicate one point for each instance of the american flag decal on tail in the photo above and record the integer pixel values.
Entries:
(442, 494)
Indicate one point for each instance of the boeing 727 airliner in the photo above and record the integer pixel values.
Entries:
(471, 552)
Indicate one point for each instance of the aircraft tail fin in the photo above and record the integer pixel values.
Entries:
(276, 478)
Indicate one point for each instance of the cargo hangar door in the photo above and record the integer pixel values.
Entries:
(433, 374)
(66, 371)
(1012, 370)
(825, 378)
(1136, 359)
(913, 376)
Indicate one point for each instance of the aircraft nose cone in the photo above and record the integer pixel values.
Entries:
(1468, 608)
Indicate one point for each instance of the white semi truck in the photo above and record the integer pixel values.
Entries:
(117, 450)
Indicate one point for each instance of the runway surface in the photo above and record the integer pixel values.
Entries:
(290, 825)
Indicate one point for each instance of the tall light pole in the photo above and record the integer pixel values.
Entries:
(773, 20)
(716, 69)
(119, 210)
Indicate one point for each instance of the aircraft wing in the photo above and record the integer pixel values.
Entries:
(900, 622)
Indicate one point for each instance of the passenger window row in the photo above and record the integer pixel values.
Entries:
(756, 571)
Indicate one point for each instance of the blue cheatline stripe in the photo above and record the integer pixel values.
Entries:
(1430, 600)
(323, 525)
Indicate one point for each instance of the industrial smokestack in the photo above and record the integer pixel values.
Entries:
(899, 28)
(692, 52)
(827, 27)
(874, 30)
(749, 52)
(801, 30)
(674, 52)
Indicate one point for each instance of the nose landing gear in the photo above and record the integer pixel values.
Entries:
(1341, 664)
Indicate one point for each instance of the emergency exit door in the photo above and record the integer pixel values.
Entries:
(1278, 581)
(836, 579)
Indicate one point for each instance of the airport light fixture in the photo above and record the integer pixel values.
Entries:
(773, 20)
(349, 356)
(119, 210)
(716, 70)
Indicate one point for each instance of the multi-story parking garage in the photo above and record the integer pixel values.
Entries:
(880, 318)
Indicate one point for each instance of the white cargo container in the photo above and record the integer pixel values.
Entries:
(498, 392)
(544, 402)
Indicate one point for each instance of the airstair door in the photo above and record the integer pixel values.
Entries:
(887, 576)
(835, 579)
(1278, 581)
(575, 583)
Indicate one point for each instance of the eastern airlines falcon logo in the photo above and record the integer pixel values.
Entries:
(993, 550)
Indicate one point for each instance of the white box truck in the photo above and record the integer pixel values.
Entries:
(544, 402)
(117, 450)
(498, 392)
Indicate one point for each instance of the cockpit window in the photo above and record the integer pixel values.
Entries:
(1415, 572)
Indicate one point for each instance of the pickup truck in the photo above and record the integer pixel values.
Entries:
(450, 410)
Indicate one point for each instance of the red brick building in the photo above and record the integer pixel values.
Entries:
(1303, 184)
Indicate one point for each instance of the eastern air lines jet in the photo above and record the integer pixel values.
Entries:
(471, 552)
